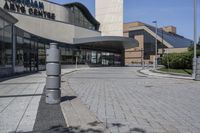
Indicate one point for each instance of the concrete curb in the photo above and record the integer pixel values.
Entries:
(69, 72)
(171, 73)
(152, 73)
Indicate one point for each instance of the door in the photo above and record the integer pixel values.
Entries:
(33, 56)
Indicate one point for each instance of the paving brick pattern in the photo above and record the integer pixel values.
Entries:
(127, 101)
(19, 102)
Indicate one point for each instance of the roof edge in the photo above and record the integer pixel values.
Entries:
(103, 38)
(126, 41)
(8, 17)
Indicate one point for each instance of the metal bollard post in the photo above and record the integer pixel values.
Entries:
(53, 71)
(197, 76)
(194, 64)
(154, 63)
(143, 65)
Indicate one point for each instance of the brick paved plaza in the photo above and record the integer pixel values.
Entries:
(125, 100)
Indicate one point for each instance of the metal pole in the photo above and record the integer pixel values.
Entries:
(162, 44)
(156, 48)
(13, 49)
(142, 53)
(156, 44)
(76, 61)
(195, 39)
(167, 60)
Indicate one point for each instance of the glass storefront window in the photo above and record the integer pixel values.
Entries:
(99, 57)
(5, 44)
(19, 55)
(26, 52)
(94, 57)
(31, 52)
(82, 57)
(26, 48)
(41, 56)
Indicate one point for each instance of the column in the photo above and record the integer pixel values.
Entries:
(13, 48)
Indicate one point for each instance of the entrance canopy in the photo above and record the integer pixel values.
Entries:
(106, 43)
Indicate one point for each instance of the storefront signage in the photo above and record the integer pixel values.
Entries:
(31, 7)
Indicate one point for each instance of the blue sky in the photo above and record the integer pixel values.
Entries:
(167, 12)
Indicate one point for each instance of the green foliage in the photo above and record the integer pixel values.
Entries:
(198, 52)
(182, 71)
(178, 60)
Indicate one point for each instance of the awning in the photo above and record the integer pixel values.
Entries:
(106, 43)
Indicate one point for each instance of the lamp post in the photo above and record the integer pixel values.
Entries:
(76, 62)
(77, 53)
(142, 55)
(195, 40)
(156, 44)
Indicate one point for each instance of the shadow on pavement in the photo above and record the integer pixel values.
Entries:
(67, 98)
(73, 130)
(61, 129)
(117, 125)
(95, 123)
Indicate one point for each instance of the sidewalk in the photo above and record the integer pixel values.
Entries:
(152, 73)
(20, 99)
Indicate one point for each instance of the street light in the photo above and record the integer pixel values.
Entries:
(195, 40)
(156, 44)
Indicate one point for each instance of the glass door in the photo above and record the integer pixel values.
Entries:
(26, 55)
(33, 56)
(30, 56)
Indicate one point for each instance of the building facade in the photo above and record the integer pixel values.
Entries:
(167, 39)
(110, 14)
(34, 24)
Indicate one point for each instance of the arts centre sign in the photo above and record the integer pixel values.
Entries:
(29, 7)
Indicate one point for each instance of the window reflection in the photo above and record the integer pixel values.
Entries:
(5, 48)
(79, 19)
(30, 52)
(41, 56)
(149, 43)
(92, 57)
